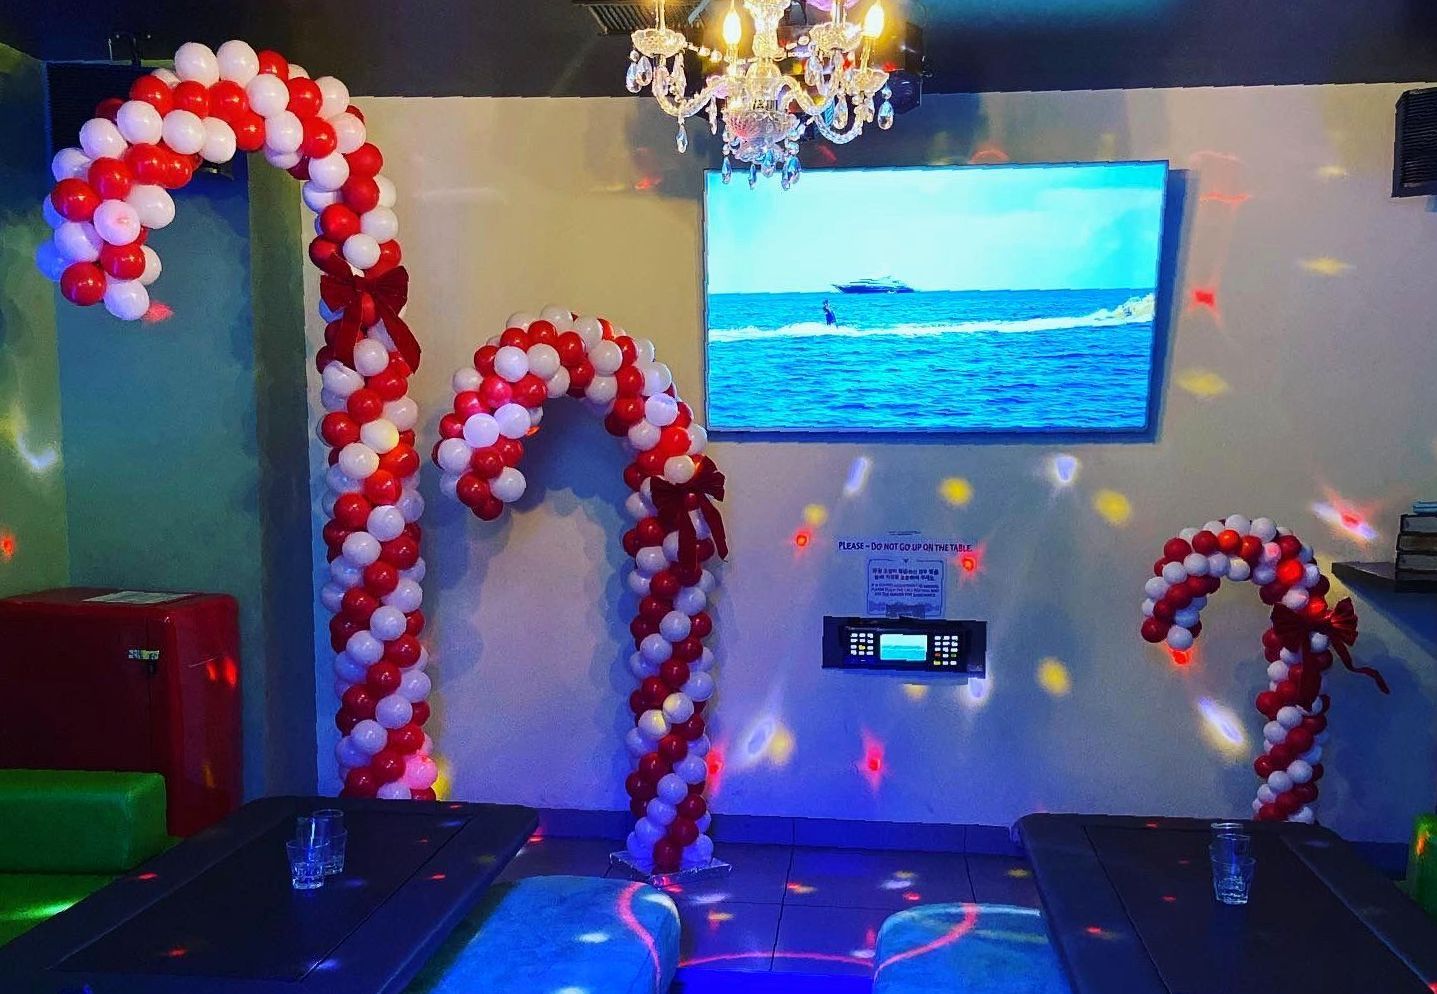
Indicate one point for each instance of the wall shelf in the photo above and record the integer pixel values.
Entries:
(1382, 576)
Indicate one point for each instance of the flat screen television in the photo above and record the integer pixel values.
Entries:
(987, 299)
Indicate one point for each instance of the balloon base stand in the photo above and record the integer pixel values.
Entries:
(635, 870)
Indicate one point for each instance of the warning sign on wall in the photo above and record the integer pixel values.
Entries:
(908, 588)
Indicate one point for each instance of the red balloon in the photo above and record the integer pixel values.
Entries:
(1286, 803)
(111, 178)
(543, 332)
(693, 806)
(124, 262)
(382, 487)
(83, 283)
(74, 199)
(383, 678)
(663, 583)
(1271, 593)
(1262, 766)
(153, 91)
(1205, 542)
(511, 450)
(1163, 611)
(1315, 607)
(688, 649)
(192, 96)
(1179, 596)
(571, 349)
(581, 374)
(319, 140)
(359, 700)
(360, 193)
(273, 64)
(692, 728)
(1305, 792)
(484, 359)
(667, 855)
(653, 766)
(388, 765)
(1289, 571)
(515, 337)
(1281, 755)
(345, 721)
(401, 460)
(495, 392)
(1251, 548)
(380, 578)
(633, 476)
(228, 101)
(403, 651)
(339, 429)
(406, 738)
(1268, 703)
(352, 511)
(1154, 630)
(638, 786)
(1267, 813)
(366, 160)
(1290, 545)
(249, 131)
(390, 255)
(701, 625)
(675, 672)
(337, 222)
(403, 551)
(359, 604)
(177, 171)
(1229, 541)
(1300, 739)
(360, 782)
(146, 163)
(683, 831)
(486, 463)
(471, 490)
(304, 97)
(673, 747)
(530, 391)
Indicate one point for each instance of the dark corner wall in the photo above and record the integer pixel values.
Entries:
(185, 460)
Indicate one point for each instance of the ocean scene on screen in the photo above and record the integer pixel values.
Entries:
(969, 299)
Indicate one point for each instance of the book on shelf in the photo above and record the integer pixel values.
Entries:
(1417, 562)
(1418, 524)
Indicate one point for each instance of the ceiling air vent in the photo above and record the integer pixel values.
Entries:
(1414, 169)
(624, 17)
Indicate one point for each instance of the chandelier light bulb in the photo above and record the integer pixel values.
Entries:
(873, 21)
(732, 27)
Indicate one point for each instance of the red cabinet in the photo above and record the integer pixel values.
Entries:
(94, 679)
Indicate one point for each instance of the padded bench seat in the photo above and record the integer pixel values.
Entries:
(544, 935)
(966, 949)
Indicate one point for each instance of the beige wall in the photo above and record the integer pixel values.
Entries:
(1321, 354)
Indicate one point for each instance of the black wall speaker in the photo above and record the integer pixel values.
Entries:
(1414, 167)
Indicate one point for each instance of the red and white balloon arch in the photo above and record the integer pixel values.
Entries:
(113, 190)
(498, 402)
(1299, 645)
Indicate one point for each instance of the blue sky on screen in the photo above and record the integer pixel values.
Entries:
(977, 228)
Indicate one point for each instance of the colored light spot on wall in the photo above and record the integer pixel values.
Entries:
(1113, 507)
(1332, 171)
(157, 311)
(802, 539)
(176, 952)
(1204, 297)
(717, 918)
(714, 759)
(857, 480)
(1222, 729)
(794, 887)
(955, 491)
(1202, 383)
(870, 763)
(1325, 265)
(1346, 519)
(1053, 677)
(912, 896)
(442, 782)
(915, 691)
(815, 515)
(1019, 873)
(1063, 469)
(7, 546)
(974, 692)
(988, 155)
(592, 938)
(1180, 657)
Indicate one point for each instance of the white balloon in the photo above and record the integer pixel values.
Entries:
(481, 430)
(1217, 564)
(1279, 781)
(393, 791)
(661, 812)
(692, 768)
(116, 222)
(420, 772)
(700, 686)
(237, 62)
(50, 261)
(402, 413)
(381, 223)
(647, 833)
(78, 241)
(650, 560)
(387, 623)
(1277, 671)
(698, 438)
(590, 331)
(358, 460)
(657, 378)
(166, 76)
(1238, 569)
(101, 139)
(283, 132)
(139, 122)
(1263, 528)
(360, 548)
(453, 455)
(1266, 794)
(602, 390)
(661, 410)
(1289, 716)
(679, 469)
(334, 96)
(184, 131)
(643, 436)
(508, 486)
(1155, 587)
(407, 595)
(1195, 564)
(1238, 523)
(341, 482)
(369, 736)
(345, 573)
(1274, 732)
(360, 251)
(1319, 642)
(153, 205)
(606, 358)
(219, 143)
(675, 626)
(640, 667)
(329, 596)
(700, 853)
(556, 315)
(1173, 573)
(466, 379)
(71, 163)
(543, 360)
(127, 300)
(655, 648)
(1187, 617)
(379, 435)
(267, 95)
(513, 420)
(349, 134)
(387, 193)
(364, 647)
(1180, 638)
(1295, 598)
(511, 363)
(393, 711)
(385, 523)
(330, 172)
(197, 62)
(340, 379)
(1300, 771)
(638, 583)
(653, 724)
(315, 198)
(1263, 575)
(635, 742)
(672, 789)
(370, 357)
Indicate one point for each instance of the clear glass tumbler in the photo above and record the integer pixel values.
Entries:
(334, 852)
(306, 864)
(1231, 875)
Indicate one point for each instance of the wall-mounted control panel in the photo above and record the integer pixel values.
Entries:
(910, 645)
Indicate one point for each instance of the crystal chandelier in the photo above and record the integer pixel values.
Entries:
(763, 110)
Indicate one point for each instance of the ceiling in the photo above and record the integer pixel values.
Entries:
(553, 48)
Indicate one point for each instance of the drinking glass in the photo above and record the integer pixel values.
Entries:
(334, 852)
(1231, 875)
(306, 864)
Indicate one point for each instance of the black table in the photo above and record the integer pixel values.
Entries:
(216, 914)
(1130, 908)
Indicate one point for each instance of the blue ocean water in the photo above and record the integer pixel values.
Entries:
(1011, 360)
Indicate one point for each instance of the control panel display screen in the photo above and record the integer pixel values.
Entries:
(902, 648)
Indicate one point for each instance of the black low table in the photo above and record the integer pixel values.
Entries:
(1130, 907)
(216, 914)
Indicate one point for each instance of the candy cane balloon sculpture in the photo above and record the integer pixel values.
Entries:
(113, 190)
(1299, 646)
(498, 402)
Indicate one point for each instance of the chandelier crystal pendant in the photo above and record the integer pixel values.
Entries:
(763, 110)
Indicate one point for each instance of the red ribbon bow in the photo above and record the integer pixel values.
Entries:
(672, 502)
(365, 298)
(1339, 624)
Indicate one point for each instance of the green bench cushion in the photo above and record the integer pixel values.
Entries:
(76, 822)
(546, 934)
(27, 899)
(966, 949)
